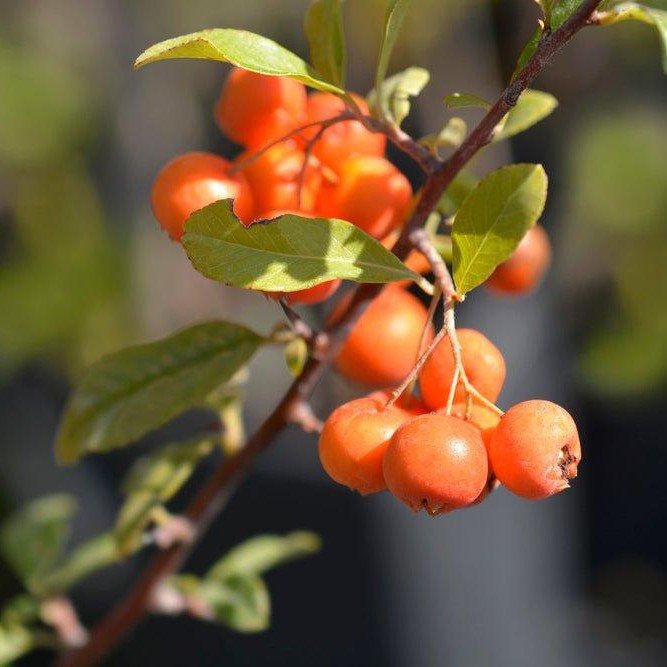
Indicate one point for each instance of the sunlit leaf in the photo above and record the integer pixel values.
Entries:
(241, 48)
(493, 219)
(33, 538)
(15, 641)
(463, 100)
(287, 253)
(264, 552)
(392, 26)
(561, 10)
(638, 12)
(129, 393)
(532, 107)
(152, 481)
(326, 38)
(397, 91)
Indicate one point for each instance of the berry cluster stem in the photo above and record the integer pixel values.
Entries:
(216, 491)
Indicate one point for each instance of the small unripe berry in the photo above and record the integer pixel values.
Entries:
(383, 345)
(436, 462)
(192, 181)
(371, 194)
(353, 442)
(525, 268)
(483, 363)
(255, 109)
(535, 449)
(343, 139)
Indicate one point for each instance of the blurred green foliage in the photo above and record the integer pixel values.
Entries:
(618, 195)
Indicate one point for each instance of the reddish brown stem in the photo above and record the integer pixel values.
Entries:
(214, 494)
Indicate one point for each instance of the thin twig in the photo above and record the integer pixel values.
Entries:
(214, 494)
(421, 240)
(298, 325)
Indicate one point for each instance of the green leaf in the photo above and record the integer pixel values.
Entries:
(455, 194)
(22, 609)
(561, 10)
(287, 253)
(397, 91)
(528, 51)
(92, 555)
(264, 552)
(462, 100)
(241, 48)
(33, 538)
(532, 107)
(242, 603)
(15, 641)
(493, 219)
(151, 482)
(296, 355)
(129, 393)
(326, 38)
(638, 12)
(393, 20)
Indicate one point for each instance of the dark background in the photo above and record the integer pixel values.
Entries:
(580, 579)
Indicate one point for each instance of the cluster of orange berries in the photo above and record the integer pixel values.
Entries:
(442, 460)
(337, 171)
(343, 174)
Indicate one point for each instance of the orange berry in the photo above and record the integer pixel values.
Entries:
(192, 181)
(535, 449)
(481, 416)
(483, 363)
(353, 442)
(436, 462)
(526, 267)
(383, 345)
(310, 295)
(343, 139)
(255, 109)
(407, 402)
(274, 179)
(371, 194)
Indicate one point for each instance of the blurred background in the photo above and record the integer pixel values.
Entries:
(580, 579)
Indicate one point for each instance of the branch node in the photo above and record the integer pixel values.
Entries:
(301, 414)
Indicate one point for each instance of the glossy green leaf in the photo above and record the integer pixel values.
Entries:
(532, 107)
(287, 253)
(493, 219)
(15, 641)
(323, 26)
(296, 355)
(397, 91)
(94, 554)
(241, 48)
(463, 100)
(638, 12)
(129, 393)
(457, 191)
(561, 10)
(393, 20)
(151, 482)
(264, 552)
(33, 538)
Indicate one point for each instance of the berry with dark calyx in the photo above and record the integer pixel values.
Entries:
(436, 462)
(535, 449)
